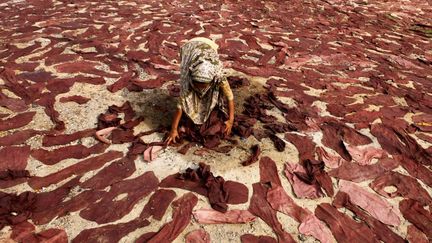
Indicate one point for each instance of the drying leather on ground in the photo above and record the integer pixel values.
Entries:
(158, 204)
(78, 151)
(315, 174)
(24, 232)
(381, 230)
(181, 217)
(262, 209)
(309, 224)
(76, 169)
(63, 139)
(114, 172)
(253, 157)
(365, 155)
(415, 235)
(398, 142)
(10, 178)
(110, 233)
(406, 187)
(372, 203)
(330, 160)
(280, 201)
(416, 169)
(344, 228)
(235, 216)
(198, 236)
(357, 173)
(203, 182)
(304, 144)
(14, 157)
(135, 189)
(268, 172)
(249, 238)
(300, 188)
(17, 121)
(414, 212)
(18, 137)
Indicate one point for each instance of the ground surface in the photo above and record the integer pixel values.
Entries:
(361, 62)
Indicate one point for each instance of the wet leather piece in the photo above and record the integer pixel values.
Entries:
(249, 238)
(198, 236)
(415, 169)
(75, 98)
(235, 216)
(9, 178)
(414, 212)
(158, 204)
(330, 160)
(315, 175)
(116, 171)
(371, 203)
(111, 232)
(406, 187)
(280, 201)
(269, 172)
(14, 158)
(15, 209)
(75, 169)
(365, 155)
(63, 139)
(304, 144)
(415, 235)
(18, 137)
(301, 189)
(256, 151)
(73, 151)
(202, 181)
(381, 230)
(182, 214)
(399, 143)
(358, 173)
(17, 121)
(135, 189)
(24, 232)
(343, 227)
(262, 209)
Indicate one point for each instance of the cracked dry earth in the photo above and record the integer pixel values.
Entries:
(339, 96)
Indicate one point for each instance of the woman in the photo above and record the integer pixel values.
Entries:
(203, 90)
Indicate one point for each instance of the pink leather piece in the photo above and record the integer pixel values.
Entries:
(330, 160)
(310, 224)
(211, 216)
(102, 134)
(364, 156)
(151, 153)
(316, 228)
(198, 236)
(301, 189)
(372, 203)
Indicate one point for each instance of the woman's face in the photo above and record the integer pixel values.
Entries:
(200, 86)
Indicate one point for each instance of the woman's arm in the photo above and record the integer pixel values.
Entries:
(226, 89)
(173, 135)
(229, 123)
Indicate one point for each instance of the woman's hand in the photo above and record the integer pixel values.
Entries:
(172, 137)
(228, 127)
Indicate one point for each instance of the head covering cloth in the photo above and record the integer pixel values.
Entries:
(200, 63)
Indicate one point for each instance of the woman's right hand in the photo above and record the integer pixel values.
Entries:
(172, 137)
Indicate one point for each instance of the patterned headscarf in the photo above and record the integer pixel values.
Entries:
(200, 63)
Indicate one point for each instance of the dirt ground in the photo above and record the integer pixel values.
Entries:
(157, 106)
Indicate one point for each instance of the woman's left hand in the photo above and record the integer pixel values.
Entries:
(228, 127)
